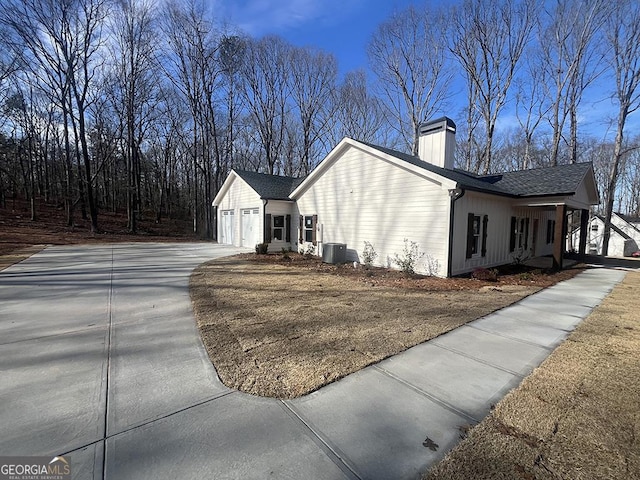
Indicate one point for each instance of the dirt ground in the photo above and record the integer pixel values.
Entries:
(283, 327)
(577, 416)
(21, 237)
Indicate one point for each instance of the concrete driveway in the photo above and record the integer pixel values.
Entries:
(100, 361)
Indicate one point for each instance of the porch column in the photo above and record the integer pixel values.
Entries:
(584, 225)
(559, 236)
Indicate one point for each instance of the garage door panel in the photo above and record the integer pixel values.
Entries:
(227, 223)
(250, 227)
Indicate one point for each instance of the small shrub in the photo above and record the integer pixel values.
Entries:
(525, 276)
(285, 254)
(431, 265)
(520, 256)
(262, 248)
(485, 274)
(409, 258)
(368, 254)
(307, 249)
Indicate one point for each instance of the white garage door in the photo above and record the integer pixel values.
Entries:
(251, 227)
(226, 227)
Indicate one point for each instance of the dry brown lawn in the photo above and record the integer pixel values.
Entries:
(284, 330)
(575, 417)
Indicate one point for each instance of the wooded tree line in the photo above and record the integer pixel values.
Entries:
(145, 106)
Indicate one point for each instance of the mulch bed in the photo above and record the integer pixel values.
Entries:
(507, 275)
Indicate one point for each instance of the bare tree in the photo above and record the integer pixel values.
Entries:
(231, 58)
(567, 66)
(266, 91)
(360, 114)
(531, 110)
(488, 39)
(193, 68)
(61, 40)
(623, 37)
(133, 77)
(408, 53)
(313, 80)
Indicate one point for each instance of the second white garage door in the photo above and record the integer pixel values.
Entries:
(250, 227)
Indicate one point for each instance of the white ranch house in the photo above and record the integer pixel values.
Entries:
(624, 237)
(363, 192)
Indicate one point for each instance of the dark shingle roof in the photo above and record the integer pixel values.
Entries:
(559, 180)
(270, 187)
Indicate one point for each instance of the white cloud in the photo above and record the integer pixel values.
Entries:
(258, 17)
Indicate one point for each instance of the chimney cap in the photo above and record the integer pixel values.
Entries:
(432, 125)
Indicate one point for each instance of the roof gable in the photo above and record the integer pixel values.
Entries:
(632, 221)
(613, 227)
(269, 187)
(400, 159)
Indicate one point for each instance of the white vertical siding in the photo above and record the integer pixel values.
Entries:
(499, 210)
(279, 207)
(616, 242)
(626, 227)
(362, 197)
(238, 197)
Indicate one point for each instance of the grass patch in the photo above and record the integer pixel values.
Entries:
(577, 416)
(17, 253)
(285, 328)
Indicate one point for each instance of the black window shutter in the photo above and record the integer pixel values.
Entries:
(526, 234)
(288, 228)
(301, 231)
(313, 235)
(267, 228)
(512, 237)
(470, 235)
(485, 222)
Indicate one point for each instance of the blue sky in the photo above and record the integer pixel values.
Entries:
(342, 27)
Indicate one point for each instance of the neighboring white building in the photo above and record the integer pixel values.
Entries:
(363, 192)
(624, 237)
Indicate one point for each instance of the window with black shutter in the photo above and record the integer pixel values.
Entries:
(519, 237)
(477, 234)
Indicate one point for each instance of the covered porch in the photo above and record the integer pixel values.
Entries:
(565, 212)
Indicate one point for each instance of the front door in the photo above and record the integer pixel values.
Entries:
(250, 227)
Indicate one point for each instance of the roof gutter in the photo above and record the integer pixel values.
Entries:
(455, 194)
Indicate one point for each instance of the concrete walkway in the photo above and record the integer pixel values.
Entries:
(100, 360)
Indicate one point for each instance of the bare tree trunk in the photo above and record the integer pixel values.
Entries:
(623, 36)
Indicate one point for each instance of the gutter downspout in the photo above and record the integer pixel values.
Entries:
(455, 194)
(217, 228)
(264, 218)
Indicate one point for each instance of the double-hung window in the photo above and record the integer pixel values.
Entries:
(477, 235)
(308, 228)
(519, 238)
(278, 227)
